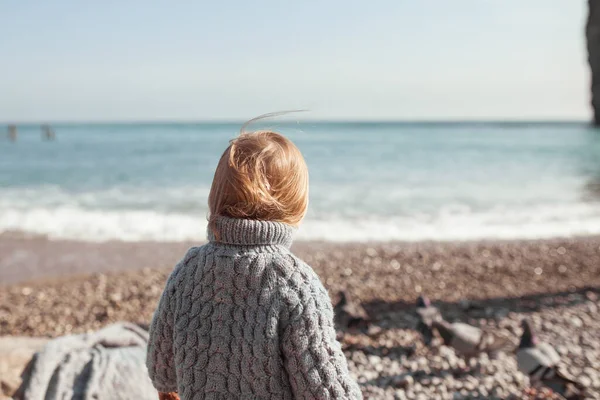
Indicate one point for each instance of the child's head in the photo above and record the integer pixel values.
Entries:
(262, 176)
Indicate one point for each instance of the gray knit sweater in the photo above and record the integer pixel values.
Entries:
(242, 317)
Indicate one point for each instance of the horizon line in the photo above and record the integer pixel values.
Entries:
(298, 120)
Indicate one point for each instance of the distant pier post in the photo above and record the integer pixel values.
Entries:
(48, 133)
(12, 133)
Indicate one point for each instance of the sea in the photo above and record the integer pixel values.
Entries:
(369, 181)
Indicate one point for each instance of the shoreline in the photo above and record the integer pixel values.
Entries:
(35, 258)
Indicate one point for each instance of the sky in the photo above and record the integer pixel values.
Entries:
(342, 59)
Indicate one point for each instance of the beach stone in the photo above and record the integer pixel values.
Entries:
(394, 362)
(15, 353)
(403, 381)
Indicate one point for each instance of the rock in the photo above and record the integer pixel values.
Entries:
(501, 313)
(403, 381)
(15, 353)
(592, 33)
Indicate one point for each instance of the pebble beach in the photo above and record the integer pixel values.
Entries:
(51, 288)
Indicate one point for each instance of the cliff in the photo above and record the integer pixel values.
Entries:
(592, 33)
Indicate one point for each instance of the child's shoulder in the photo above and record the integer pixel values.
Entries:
(193, 252)
(189, 256)
(302, 278)
(292, 266)
(303, 292)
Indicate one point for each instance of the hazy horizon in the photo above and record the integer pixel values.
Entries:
(289, 121)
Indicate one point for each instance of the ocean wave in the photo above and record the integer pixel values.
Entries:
(71, 222)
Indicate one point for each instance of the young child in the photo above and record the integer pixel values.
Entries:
(242, 317)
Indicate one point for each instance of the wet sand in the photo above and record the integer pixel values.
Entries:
(373, 272)
(25, 258)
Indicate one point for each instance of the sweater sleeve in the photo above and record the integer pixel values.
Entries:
(160, 357)
(313, 358)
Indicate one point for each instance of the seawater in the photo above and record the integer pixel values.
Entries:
(369, 181)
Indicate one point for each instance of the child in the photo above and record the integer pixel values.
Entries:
(242, 317)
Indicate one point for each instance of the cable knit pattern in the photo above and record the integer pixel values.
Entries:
(242, 317)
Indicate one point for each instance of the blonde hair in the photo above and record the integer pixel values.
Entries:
(262, 176)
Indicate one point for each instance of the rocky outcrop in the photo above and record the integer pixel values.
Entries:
(15, 353)
(592, 33)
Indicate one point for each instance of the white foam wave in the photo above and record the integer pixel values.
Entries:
(79, 224)
(532, 224)
(68, 222)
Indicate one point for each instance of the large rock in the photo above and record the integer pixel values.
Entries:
(15, 353)
(592, 33)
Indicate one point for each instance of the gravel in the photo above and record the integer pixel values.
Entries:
(555, 283)
(397, 365)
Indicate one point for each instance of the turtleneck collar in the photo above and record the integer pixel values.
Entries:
(248, 232)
